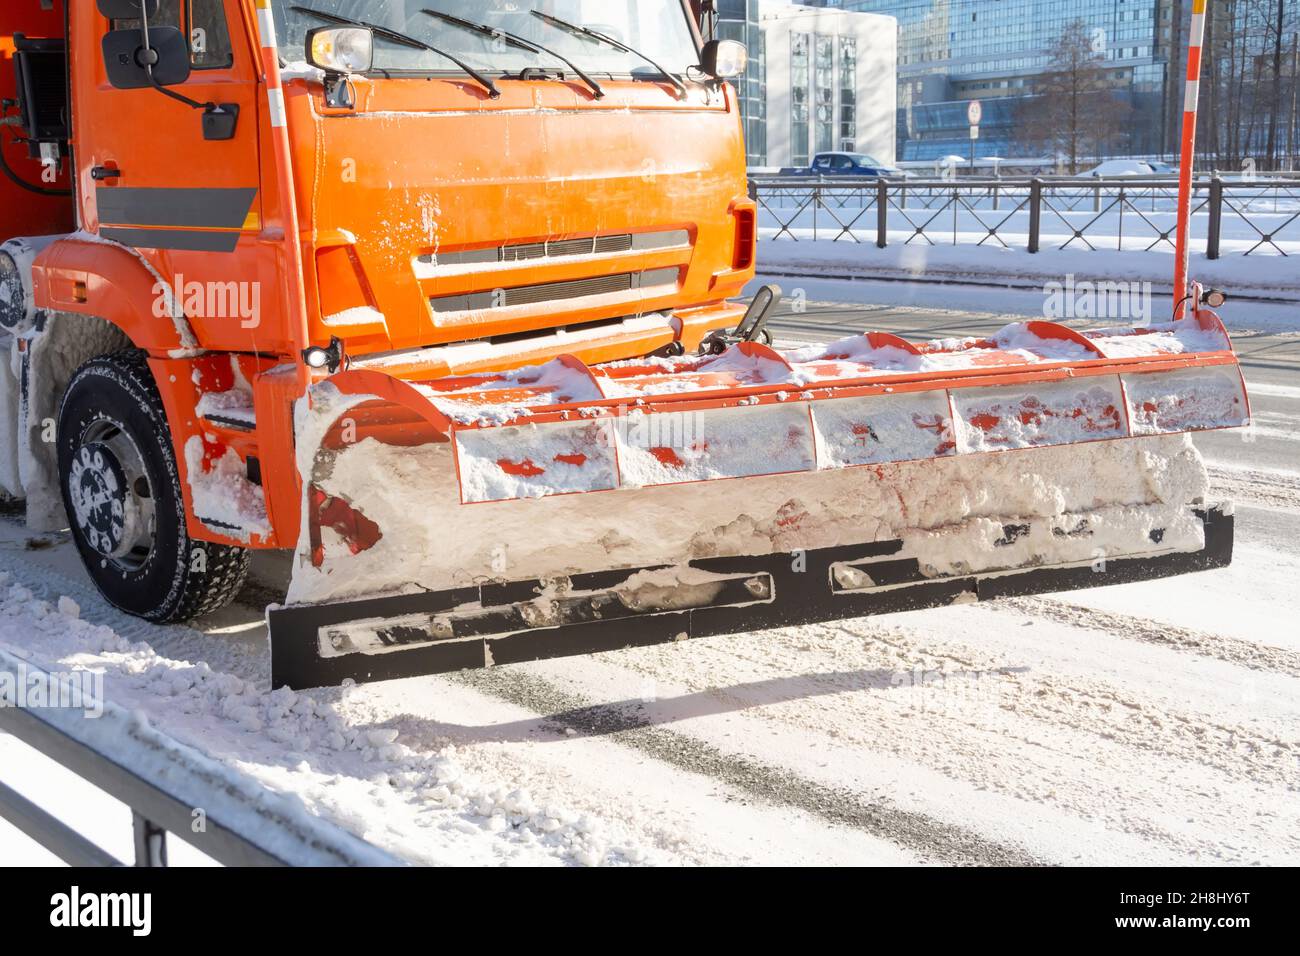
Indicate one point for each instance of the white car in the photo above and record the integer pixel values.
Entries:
(1132, 167)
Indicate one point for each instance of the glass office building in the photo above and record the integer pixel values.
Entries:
(738, 20)
(953, 51)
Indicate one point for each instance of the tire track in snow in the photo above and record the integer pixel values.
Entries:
(1102, 711)
(1263, 488)
(933, 840)
(1232, 650)
(925, 696)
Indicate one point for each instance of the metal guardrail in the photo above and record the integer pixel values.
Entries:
(164, 784)
(992, 205)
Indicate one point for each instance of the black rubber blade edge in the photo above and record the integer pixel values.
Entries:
(803, 591)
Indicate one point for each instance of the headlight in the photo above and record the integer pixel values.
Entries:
(343, 50)
(725, 59)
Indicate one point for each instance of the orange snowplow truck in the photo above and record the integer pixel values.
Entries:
(440, 296)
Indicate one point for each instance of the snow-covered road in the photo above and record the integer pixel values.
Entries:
(1148, 723)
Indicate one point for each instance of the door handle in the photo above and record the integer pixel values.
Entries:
(100, 173)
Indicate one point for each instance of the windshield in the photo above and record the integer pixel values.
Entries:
(657, 28)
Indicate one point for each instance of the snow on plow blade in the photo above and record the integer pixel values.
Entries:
(563, 509)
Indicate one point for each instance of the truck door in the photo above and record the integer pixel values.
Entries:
(160, 176)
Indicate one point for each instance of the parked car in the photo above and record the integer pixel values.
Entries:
(1132, 167)
(853, 164)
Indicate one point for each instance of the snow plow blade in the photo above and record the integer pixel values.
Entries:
(562, 509)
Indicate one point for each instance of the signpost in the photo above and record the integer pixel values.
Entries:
(974, 113)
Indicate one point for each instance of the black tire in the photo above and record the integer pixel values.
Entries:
(113, 434)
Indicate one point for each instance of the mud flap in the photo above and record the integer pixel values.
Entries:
(498, 624)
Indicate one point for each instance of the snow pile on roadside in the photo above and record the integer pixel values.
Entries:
(1256, 274)
(422, 806)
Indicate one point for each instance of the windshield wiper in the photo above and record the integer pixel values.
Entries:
(597, 37)
(404, 40)
(518, 42)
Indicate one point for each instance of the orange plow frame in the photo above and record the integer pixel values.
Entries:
(857, 403)
(693, 388)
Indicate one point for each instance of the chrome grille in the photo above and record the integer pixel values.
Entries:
(560, 248)
(554, 291)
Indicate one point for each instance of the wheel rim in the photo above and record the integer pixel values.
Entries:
(112, 498)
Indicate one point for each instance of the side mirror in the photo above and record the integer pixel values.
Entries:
(158, 57)
(724, 59)
(126, 57)
(127, 9)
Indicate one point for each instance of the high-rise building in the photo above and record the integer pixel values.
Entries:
(953, 51)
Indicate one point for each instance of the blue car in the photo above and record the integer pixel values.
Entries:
(853, 164)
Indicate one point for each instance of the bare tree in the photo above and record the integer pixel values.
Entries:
(1074, 111)
(1275, 113)
(1294, 120)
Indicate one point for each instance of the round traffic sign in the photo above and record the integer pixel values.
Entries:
(975, 112)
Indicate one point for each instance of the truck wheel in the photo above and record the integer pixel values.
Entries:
(122, 490)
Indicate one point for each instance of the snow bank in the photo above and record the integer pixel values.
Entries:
(1259, 274)
(278, 823)
(329, 758)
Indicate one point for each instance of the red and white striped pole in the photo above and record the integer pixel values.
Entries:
(294, 292)
(1186, 170)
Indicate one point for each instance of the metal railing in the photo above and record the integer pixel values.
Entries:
(165, 785)
(980, 211)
